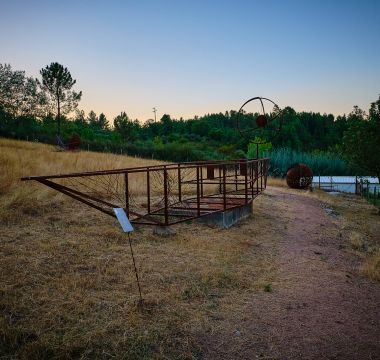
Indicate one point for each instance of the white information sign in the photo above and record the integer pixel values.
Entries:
(123, 219)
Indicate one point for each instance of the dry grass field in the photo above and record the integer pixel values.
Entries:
(67, 284)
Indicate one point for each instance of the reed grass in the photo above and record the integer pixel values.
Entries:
(321, 163)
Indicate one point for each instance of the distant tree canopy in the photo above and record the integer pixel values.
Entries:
(57, 82)
(361, 141)
(31, 110)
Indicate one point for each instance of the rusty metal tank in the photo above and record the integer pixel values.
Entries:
(299, 176)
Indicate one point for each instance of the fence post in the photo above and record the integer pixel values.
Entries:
(198, 193)
(179, 183)
(224, 187)
(356, 186)
(166, 196)
(126, 184)
(361, 188)
(374, 196)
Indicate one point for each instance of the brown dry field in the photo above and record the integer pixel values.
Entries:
(294, 281)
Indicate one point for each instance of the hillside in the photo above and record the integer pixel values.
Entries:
(299, 279)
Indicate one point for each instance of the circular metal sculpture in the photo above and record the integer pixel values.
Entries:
(269, 123)
(299, 176)
(272, 122)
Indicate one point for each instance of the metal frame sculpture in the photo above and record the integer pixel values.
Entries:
(164, 195)
(272, 122)
(169, 194)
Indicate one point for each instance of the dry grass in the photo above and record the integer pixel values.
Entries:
(359, 223)
(20, 158)
(277, 182)
(66, 280)
(67, 285)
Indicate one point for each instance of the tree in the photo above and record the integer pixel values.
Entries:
(92, 119)
(20, 95)
(58, 82)
(361, 142)
(103, 122)
(96, 122)
(127, 128)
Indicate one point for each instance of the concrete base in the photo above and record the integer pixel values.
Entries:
(227, 218)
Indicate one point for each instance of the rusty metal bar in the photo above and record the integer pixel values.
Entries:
(232, 189)
(236, 176)
(220, 179)
(210, 172)
(224, 187)
(179, 183)
(198, 193)
(166, 196)
(257, 176)
(252, 182)
(76, 195)
(148, 189)
(201, 179)
(187, 165)
(246, 184)
(126, 194)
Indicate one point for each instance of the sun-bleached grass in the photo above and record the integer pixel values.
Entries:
(371, 266)
(67, 287)
(277, 182)
(359, 223)
(21, 158)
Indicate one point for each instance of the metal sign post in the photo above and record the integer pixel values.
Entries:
(127, 227)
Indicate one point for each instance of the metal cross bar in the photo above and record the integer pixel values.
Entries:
(164, 195)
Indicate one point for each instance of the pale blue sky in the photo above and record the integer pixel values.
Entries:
(196, 57)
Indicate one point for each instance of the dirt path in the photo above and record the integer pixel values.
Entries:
(320, 307)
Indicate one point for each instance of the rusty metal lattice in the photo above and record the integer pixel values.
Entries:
(299, 176)
(166, 194)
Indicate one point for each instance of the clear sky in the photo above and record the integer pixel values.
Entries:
(194, 57)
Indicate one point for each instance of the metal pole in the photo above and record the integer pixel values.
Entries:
(201, 171)
(236, 175)
(257, 177)
(148, 188)
(134, 265)
(374, 196)
(224, 187)
(179, 184)
(126, 194)
(356, 185)
(198, 194)
(220, 179)
(246, 183)
(154, 110)
(166, 196)
(361, 188)
(252, 181)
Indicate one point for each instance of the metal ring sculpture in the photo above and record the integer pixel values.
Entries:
(299, 176)
(262, 121)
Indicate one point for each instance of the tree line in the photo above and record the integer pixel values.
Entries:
(43, 109)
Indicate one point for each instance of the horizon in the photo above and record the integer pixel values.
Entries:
(188, 59)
